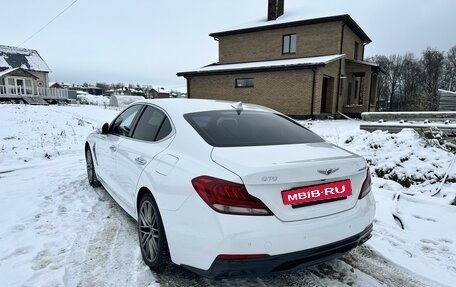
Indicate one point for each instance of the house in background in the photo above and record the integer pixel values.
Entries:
(25, 75)
(303, 68)
(55, 85)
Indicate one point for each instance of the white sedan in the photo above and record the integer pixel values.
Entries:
(230, 189)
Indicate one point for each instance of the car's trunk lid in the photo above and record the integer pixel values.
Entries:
(266, 171)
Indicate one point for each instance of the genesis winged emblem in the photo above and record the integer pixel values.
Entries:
(328, 171)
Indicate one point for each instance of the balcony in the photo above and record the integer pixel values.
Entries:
(18, 92)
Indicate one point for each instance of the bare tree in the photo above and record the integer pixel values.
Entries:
(103, 86)
(449, 70)
(432, 63)
(389, 83)
(383, 91)
(410, 87)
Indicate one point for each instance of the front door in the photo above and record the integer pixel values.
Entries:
(326, 95)
(20, 86)
(106, 149)
(152, 135)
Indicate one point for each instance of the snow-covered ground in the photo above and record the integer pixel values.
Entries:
(56, 230)
(427, 244)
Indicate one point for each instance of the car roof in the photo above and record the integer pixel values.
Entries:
(181, 106)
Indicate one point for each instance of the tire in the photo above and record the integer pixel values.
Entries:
(91, 175)
(152, 238)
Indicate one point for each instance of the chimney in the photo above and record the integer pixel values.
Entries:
(275, 9)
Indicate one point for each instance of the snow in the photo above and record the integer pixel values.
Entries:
(89, 99)
(412, 125)
(287, 17)
(446, 91)
(123, 101)
(4, 63)
(7, 71)
(274, 63)
(52, 229)
(56, 230)
(35, 62)
(427, 246)
(435, 114)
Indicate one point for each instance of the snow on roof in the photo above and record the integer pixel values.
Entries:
(287, 17)
(292, 18)
(447, 92)
(4, 63)
(6, 72)
(308, 61)
(15, 57)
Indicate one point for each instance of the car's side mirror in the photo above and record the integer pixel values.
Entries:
(105, 129)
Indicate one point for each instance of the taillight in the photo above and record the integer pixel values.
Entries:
(228, 197)
(366, 188)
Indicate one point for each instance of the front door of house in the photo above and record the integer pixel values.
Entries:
(326, 95)
(20, 86)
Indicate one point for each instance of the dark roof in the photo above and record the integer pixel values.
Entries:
(269, 25)
(374, 66)
(15, 57)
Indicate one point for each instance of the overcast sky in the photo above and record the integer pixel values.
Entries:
(148, 41)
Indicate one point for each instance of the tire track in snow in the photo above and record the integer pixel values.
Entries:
(172, 275)
(106, 253)
(369, 262)
(361, 267)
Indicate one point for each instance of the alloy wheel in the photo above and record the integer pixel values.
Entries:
(149, 234)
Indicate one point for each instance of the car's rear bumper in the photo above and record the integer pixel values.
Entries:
(284, 262)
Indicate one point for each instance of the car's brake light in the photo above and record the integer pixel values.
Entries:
(366, 187)
(228, 197)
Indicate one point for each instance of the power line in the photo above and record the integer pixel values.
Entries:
(48, 23)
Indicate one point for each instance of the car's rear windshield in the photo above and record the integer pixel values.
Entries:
(248, 128)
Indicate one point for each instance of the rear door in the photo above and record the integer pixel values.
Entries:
(153, 133)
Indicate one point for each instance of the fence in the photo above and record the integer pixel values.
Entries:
(9, 91)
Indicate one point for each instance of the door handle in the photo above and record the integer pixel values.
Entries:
(113, 148)
(140, 160)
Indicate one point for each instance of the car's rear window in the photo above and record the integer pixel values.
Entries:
(248, 128)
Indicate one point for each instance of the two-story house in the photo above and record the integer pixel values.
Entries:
(24, 75)
(303, 68)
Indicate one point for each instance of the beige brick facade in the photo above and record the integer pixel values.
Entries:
(312, 40)
(349, 45)
(329, 88)
(286, 91)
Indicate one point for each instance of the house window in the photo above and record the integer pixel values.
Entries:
(289, 44)
(245, 83)
(28, 87)
(356, 52)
